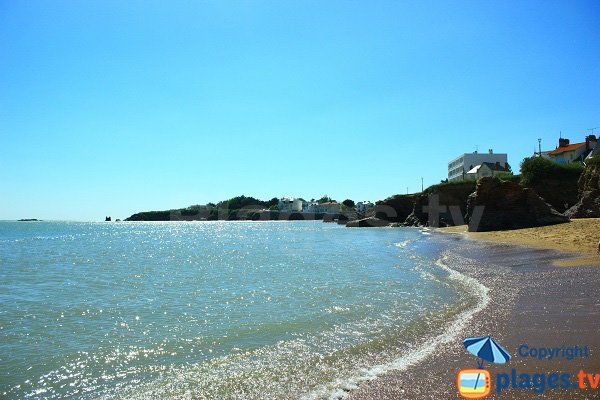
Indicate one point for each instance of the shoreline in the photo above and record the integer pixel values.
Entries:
(422, 352)
(576, 240)
(530, 301)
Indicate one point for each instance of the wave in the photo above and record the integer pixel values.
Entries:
(344, 387)
(404, 243)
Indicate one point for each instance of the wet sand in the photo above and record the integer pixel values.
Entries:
(531, 302)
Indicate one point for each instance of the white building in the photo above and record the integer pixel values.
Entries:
(363, 206)
(290, 204)
(485, 169)
(461, 165)
(330, 207)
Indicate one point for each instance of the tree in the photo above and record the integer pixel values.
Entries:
(241, 202)
(324, 199)
(348, 203)
(273, 202)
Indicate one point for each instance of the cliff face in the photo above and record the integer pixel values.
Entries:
(395, 208)
(588, 205)
(441, 205)
(558, 192)
(555, 183)
(500, 205)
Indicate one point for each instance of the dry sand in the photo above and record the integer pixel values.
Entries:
(579, 237)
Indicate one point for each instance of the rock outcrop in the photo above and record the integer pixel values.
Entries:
(441, 205)
(395, 208)
(502, 205)
(560, 193)
(371, 222)
(556, 183)
(588, 205)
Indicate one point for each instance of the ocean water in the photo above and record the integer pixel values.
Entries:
(217, 310)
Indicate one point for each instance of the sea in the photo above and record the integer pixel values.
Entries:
(219, 310)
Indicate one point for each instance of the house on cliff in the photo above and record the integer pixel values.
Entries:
(567, 153)
(487, 169)
(363, 206)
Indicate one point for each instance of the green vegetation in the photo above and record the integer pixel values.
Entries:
(507, 176)
(239, 202)
(273, 202)
(348, 203)
(433, 188)
(536, 170)
(151, 216)
(594, 161)
(324, 199)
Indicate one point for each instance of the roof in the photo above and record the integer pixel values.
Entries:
(474, 170)
(495, 167)
(329, 203)
(571, 147)
(492, 166)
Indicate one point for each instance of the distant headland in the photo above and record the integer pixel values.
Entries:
(545, 193)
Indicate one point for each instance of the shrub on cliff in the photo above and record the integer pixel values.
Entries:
(507, 176)
(593, 162)
(535, 170)
(348, 203)
(555, 183)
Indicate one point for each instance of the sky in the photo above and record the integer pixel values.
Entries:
(111, 107)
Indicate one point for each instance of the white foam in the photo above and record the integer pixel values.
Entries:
(343, 387)
(404, 243)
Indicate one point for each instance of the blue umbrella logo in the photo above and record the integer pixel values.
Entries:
(486, 349)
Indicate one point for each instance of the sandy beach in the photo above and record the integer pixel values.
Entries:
(531, 302)
(579, 238)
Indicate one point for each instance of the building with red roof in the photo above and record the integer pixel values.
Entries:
(568, 153)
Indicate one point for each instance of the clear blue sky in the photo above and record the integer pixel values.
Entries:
(114, 107)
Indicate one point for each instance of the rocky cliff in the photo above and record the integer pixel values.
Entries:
(555, 183)
(588, 205)
(441, 205)
(395, 208)
(501, 205)
(560, 193)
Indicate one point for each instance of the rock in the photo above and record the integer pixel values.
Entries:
(588, 205)
(501, 205)
(555, 183)
(395, 208)
(370, 222)
(441, 205)
(558, 191)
